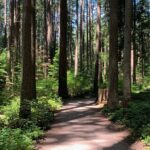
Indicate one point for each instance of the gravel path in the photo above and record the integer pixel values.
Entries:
(81, 126)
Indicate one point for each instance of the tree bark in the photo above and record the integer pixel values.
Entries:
(81, 34)
(49, 30)
(33, 46)
(11, 43)
(87, 34)
(27, 91)
(113, 55)
(134, 42)
(98, 50)
(127, 52)
(77, 42)
(63, 90)
(17, 27)
(90, 34)
(5, 22)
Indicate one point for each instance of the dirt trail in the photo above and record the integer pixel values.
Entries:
(81, 126)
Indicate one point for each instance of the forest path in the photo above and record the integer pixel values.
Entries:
(81, 126)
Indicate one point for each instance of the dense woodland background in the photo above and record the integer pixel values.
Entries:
(53, 50)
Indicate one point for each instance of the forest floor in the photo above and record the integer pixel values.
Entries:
(81, 126)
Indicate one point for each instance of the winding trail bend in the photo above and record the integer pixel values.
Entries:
(81, 126)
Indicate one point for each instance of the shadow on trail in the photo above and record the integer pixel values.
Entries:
(81, 126)
(78, 106)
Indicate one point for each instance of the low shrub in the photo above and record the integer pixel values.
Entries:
(19, 134)
(136, 117)
(2, 70)
(55, 103)
(146, 134)
(41, 114)
(14, 139)
(11, 111)
(141, 86)
(80, 84)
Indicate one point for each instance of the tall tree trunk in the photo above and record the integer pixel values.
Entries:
(5, 22)
(70, 53)
(127, 52)
(77, 41)
(49, 29)
(142, 54)
(46, 51)
(54, 30)
(27, 91)
(45, 26)
(98, 49)
(134, 42)
(10, 53)
(81, 34)
(33, 46)
(63, 90)
(17, 52)
(17, 27)
(87, 34)
(90, 33)
(113, 55)
(58, 24)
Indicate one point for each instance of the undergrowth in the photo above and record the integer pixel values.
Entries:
(136, 116)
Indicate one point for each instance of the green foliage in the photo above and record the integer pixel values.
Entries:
(3, 43)
(41, 114)
(104, 56)
(16, 133)
(2, 121)
(136, 116)
(11, 111)
(43, 111)
(49, 86)
(34, 132)
(20, 138)
(13, 139)
(54, 68)
(2, 70)
(146, 134)
(55, 103)
(140, 87)
(80, 84)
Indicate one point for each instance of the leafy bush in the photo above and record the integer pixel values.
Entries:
(2, 70)
(77, 85)
(146, 134)
(2, 122)
(14, 139)
(41, 114)
(80, 84)
(49, 86)
(55, 103)
(11, 111)
(43, 110)
(136, 117)
(34, 132)
(141, 86)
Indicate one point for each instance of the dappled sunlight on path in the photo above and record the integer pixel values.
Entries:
(81, 126)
